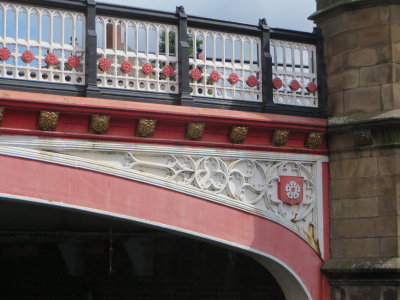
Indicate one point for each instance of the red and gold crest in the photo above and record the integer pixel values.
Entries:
(290, 189)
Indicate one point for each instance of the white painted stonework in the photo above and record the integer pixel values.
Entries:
(245, 180)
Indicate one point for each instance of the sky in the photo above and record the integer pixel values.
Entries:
(287, 14)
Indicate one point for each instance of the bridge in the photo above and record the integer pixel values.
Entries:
(127, 134)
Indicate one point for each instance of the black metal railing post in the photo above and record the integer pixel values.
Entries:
(183, 58)
(266, 65)
(91, 50)
(321, 74)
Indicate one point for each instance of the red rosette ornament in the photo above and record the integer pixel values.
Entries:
(215, 76)
(233, 78)
(126, 66)
(196, 74)
(277, 83)
(168, 71)
(104, 64)
(294, 85)
(5, 53)
(312, 87)
(147, 69)
(51, 59)
(74, 61)
(27, 56)
(252, 81)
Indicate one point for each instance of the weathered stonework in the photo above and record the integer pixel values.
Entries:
(99, 124)
(146, 128)
(238, 134)
(195, 130)
(48, 120)
(361, 54)
(280, 137)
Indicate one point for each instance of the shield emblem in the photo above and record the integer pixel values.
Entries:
(290, 189)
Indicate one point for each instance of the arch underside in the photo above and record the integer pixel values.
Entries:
(134, 182)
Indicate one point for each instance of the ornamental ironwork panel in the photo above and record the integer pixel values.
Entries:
(136, 55)
(42, 44)
(294, 73)
(225, 65)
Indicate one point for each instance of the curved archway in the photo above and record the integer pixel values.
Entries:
(289, 258)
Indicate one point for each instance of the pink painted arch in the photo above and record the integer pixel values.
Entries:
(291, 260)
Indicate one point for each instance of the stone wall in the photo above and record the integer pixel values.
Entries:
(362, 55)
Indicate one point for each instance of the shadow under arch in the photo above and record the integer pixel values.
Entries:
(291, 285)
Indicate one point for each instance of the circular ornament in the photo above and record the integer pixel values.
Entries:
(27, 56)
(252, 81)
(126, 66)
(294, 85)
(196, 74)
(292, 190)
(215, 76)
(168, 71)
(312, 87)
(147, 69)
(51, 59)
(74, 61)
(277, 83)
(5, 53)
(104, 64)
(233, 78)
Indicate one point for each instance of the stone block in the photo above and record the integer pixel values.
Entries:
(331, 26)
(396, 72)
(360, 58)
(341, 141)
(396, 95)
(352, 228)
(395, 33)
(384, 14)
(355, 208)
(341, 42)
(387, 96)
(335, 101)
(374, 35)
(345, 80)
(355, 19)
(359, 247)
(385, 226)
(376, 75)
(350, 168)
(342, 169)
(389, 246)
(363, 187)
(394, 14)
(396, 52)
(334, 64)
(366, 167)
(364, 227)
(365, 99)
(387, 206)
(389, 165)
(384, 54)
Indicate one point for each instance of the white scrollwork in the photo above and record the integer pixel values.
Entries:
(179, 169)
(211, 174)
(245, 180)
(252, 182)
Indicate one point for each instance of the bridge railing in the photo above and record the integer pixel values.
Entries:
(100, 50)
